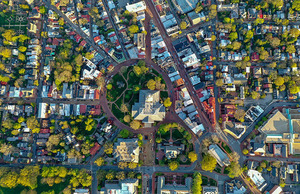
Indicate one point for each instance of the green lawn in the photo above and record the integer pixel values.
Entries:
(226, 148)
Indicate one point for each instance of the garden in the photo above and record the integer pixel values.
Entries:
(174, 135)
(123, 89)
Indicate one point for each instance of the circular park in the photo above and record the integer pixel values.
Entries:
(138, 96)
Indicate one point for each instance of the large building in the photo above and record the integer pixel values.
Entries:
(283, 128)
(126, 186)
(148, 109)
(163, 187)
(127, 150)
(184, 6)
(219, 155)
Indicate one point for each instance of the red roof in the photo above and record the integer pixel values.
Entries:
(55, 42)
(77, 38)
(86, 16)
(82, 108)
(83, 43)
(45, 131)
(94, 149)
(159, 8)
(97, 94)
(72, 33)
(97, 38)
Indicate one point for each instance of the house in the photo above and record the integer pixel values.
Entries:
(127, 150)
(126, 186)
(210, 190)
(163, 187)
(219, 155)
(257, 72)
(276, 190)
(194, 18)
(257, 178)
(148, 109)
(171, 151)
(234, 187)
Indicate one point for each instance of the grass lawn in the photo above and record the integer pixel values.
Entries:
(164, 94)
(176, 134)
(204, 180)
(117, 113)
(226, 148)
(212, 182)
(218, 170)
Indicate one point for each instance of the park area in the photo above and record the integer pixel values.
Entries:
(173, 136)
(123, 89)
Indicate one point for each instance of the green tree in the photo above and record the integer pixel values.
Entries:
(290, 49)
(296, 5)
(208, 163)
(233, 36)
(197, 182)
(108, 147)
(124, 133)
(245, 151)
(198, 7)
(109, 86)
(234, 169)
(43, 9)
(22, 49)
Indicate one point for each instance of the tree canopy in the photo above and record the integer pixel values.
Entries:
(208, 163)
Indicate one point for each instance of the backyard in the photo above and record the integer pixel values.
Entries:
(123, 89)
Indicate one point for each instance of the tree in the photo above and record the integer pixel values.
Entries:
(290, 49)
(22, 49)
(239, 114)
(236, 45)
(132, 165)
(8, 123)
(108, 147)
(21, 57)
(120, 175)
(193, 156)
(43, 9)
(61, 21)
(5, 53)
(131, 175)
(294, 32)
(124, 108)
(125, 133)
(272, 65)
(198, 7)
(258, 21)
(282, 183)
(279, 81)
(100, 161)
(109, 86)
(213, 11)
(294, 89)
(127, 118)
(133, 29)
(110, 175)
(208, 163)
(296, 5)
(100, 82)
(173, 165)
(135, 124)
(234, 169)
(245, 151)
(167, 102)
(183, 25)
(255, 95)
(197, 182)
(249, 34)
(219, 82)
(122, 165)
(151, 84)
(275, 42)
(233, 36)
(282, 88)
(32, 122)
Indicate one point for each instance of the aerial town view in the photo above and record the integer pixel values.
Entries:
(149, 96)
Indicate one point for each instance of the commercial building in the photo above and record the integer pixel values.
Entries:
(127, 150)
(219, 155)
(163, 187)
(126, 186)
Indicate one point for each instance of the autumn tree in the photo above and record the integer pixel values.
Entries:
(255, 95)
(234, 169)
(239, 114)
(208, 163)
(108, 147)
(124, 108)
(279, 81)
(167, 102)
(192, 156)
(275, 42)
(151, 84)
(100, 161)
(110, 175)
(219, 82)
(127, 118)
(133, 29)
(173, 165)
(132, 165)
(135, 124)
(183, 25)
(120, 175)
